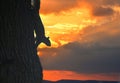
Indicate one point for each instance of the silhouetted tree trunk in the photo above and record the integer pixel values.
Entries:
(19, 62)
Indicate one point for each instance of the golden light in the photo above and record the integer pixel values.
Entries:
(66, 26)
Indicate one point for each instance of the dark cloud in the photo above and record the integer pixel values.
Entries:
(111, 2)
(82, 58)
(100, 11)
(104, 2)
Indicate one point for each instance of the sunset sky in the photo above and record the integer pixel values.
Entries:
(85, 37)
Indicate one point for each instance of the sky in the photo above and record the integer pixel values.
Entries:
(85, 37)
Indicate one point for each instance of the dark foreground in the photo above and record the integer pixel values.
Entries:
(79, 81)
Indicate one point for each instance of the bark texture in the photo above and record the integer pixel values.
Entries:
(19, 62)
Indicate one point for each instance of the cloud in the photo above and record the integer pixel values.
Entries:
(98, 49)
(106, 34)
(104, 2)
(83, 59)
(56, 6)
(101, 11)
(111, 2)
(100, 54)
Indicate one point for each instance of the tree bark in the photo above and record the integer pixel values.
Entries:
(19, 62)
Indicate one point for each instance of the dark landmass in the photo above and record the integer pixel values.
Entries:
(79, 81)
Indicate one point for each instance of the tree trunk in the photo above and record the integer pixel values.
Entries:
(19, 62)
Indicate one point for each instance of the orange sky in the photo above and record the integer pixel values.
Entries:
(58, 75)
(79, 21)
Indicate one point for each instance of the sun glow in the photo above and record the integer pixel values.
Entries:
(66, 26)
